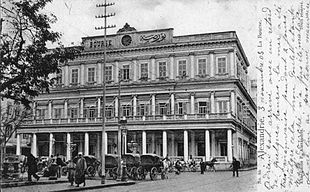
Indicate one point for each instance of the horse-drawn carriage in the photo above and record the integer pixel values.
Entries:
(111, 164)
(132, 162)
(150, 163)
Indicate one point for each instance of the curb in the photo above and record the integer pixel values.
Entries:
(98, 186)
(20, 184)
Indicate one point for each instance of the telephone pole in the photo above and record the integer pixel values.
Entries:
(105, 27)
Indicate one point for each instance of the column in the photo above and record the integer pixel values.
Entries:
(192, 63)
(68, 146)
(192, 103)
(164, 143)
(134, 105)
(106, 142)
(66, 109)
(51, 143)
(172, 104)
(213, 144)
(171, 75)
(135, 74)
(66, 75)
(143, 142)
(233, 103)
(50, 112)
(207, 145)
(124, 143)
(99, 73)
(185, 145)
(153, 143)
(116, 71)
(34, 108)
(193, 144)
(116, 106)
(232, 63)
(81, 107)
(98, 144)
(153, 69)
(86, 144)
(18, 144)
(212, 64)
(153, 105)
(99, 106)
(212, 102)
(229, 145)
(34, 145)
(235, 144)
(172, 144)
(82, 74)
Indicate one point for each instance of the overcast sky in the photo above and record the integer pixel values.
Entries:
(76, 18)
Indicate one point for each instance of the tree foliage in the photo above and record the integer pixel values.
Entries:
(26, 61)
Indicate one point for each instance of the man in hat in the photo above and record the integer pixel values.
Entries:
(80, 170)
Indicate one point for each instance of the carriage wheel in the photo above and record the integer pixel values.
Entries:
(133, 173)
(90, 171)
(140, 173)
(153, 173)
(114, 173)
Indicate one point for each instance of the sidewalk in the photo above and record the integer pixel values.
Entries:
(61, 184)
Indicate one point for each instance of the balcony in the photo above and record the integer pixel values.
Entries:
(167, 117)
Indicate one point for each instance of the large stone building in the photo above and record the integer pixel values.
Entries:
(181, 96)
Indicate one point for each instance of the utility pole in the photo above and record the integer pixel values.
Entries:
(105, 16)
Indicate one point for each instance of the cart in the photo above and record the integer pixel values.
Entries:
(150, 163)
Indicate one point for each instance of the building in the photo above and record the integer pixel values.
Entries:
(181, 96)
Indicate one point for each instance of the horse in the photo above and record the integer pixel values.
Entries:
(210, 164)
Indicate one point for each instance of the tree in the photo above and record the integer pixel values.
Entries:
(26, 61)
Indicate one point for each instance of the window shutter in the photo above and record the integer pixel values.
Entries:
(147, 110)
(176, 109)
(187, 108)
(208, 107)
(156, 109)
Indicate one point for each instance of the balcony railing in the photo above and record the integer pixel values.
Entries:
(167, 117)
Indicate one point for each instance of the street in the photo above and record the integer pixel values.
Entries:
(192, 182)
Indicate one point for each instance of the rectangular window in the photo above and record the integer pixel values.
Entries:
(181, 108)
(91, 75)
(182, 69)
(74, 76)
(125, 72)
(73, 113)
(163, 109)
(126, 110)
(203, 108)
(222, 106)
(59, 78)
(144, 71)
(162, 66)
(202, 67)
(57, 113)
(41, 113)
(108, 74)
(221, 65)
(109, 111)
(142, 110)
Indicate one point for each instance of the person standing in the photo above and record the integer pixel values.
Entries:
(71, 171)
(32, 167)
(235, 167)
(80, 170)
(202, 166)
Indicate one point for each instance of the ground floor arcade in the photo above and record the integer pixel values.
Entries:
(224, 144)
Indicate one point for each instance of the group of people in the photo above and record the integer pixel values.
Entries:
(76, 171)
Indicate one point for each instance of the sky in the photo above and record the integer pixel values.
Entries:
(76, 18)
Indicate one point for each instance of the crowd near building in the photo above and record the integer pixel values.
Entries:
(181, 96)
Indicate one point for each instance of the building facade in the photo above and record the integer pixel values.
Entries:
(182, 96)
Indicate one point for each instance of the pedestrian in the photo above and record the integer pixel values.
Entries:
(71, 171)
(60, 164)
(80, 170)
(32, 167)
(178, 167)
(202, 166)
(235, 166)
